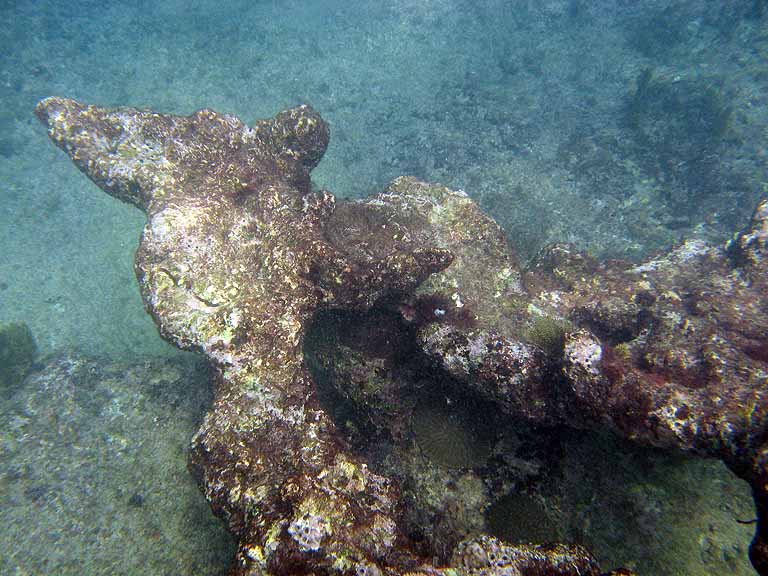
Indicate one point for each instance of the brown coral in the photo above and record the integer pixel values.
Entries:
(239, 253)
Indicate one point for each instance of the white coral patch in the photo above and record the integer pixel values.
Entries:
(585, 352)
(308, 531)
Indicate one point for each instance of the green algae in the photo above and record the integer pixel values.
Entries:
(549, 334)
(521, 518)
(17, 352)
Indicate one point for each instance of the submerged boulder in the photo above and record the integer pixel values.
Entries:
(240, 254)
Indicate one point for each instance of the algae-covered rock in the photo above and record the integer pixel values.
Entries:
(240, 254)
(17, 352)
(488, 556)
(549, 334)
(654, 512)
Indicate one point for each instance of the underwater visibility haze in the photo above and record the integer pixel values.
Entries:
(378, 288)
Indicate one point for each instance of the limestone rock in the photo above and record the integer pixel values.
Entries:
(239, 254)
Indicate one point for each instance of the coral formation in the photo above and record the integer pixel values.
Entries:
(448, 437)
(239, 254)
(488, 556)
(308, 531)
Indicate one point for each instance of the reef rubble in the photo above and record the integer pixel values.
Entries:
(240, 254)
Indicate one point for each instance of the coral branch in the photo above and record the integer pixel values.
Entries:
(239, 255)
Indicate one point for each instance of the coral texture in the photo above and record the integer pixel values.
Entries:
(239, 254)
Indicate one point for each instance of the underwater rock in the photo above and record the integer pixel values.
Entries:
(239, 254)
(488, 556)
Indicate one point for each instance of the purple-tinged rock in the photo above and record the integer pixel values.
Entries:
(239, 254)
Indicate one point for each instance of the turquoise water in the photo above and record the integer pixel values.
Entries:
(619, 126)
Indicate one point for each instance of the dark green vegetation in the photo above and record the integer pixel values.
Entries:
(662, 33)
(521, 518)
(679, 126)
(17, 352)
(549, 334)
(656, 34)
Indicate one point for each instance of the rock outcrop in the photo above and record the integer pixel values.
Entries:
(240, 254)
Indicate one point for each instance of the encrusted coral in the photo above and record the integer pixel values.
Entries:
(239, 254)
(487, 556)
(309, 530)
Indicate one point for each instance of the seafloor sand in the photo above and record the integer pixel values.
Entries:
(93, 476)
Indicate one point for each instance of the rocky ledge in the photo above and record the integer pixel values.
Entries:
(240, 256)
